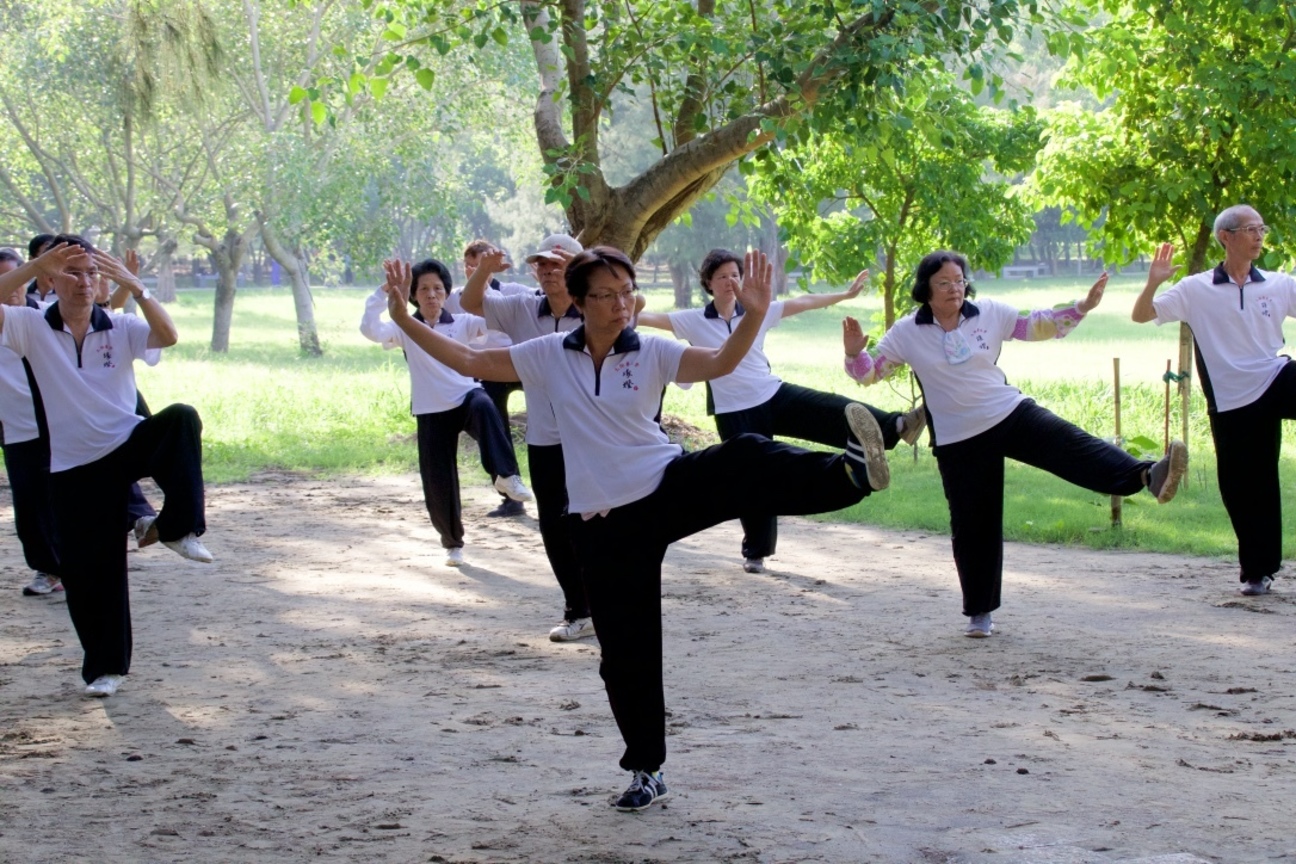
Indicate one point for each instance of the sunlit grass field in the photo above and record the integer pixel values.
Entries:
(266, 407)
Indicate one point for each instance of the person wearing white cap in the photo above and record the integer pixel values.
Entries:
(523, 318)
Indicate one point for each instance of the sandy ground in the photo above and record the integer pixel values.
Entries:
(328, 690)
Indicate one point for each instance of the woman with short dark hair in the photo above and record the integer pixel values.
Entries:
(978, 419)
(445, 403)
(631, 492)
(753, 399)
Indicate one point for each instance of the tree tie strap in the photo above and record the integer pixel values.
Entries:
(1171, 378)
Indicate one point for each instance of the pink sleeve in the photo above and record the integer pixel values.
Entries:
(866, 369)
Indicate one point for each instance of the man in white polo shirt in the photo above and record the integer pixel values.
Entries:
(1236, 313)
(98, 447)
(524, 317)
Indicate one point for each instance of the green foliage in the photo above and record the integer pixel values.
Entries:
(923, 169)
(1201, 115)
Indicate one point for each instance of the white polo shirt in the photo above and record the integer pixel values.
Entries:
(614, 451)
(1237, 328)
(434, 387)
(494, 338)
(525, 317)
(87, 419)
(17, 411)
(965, 399)
(752, 383)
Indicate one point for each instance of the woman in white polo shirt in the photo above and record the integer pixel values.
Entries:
(752, 398)
(631, 492)
(445, 403)
(978, 419)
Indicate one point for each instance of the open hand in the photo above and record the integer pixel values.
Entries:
(1162, 267)
(1095, 295)
(861, 281)
(397, 286)
(758, 275)
(853, 338)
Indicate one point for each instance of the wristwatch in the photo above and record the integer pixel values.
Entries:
(143, 295)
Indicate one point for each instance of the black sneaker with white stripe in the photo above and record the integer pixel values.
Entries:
(645, 790)
(865, 448)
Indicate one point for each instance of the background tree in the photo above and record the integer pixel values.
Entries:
(1201, 100)
(923, 170)
(721, 79)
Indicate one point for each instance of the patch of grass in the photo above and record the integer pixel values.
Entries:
(266, 407)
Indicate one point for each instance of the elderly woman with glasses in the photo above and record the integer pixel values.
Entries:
(752, 398)
(631, 492)
(977, 419)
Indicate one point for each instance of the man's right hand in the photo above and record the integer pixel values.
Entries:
(1161, 267)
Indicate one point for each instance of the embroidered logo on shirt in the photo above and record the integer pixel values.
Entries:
(106, 354)
(1266, 305)
(625, 371)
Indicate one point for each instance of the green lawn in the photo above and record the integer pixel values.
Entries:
(265, 406)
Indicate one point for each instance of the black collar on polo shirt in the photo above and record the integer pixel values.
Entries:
(546, 309)
(99, 319)
(31, 301)
(627, 340)
(1221, 276)
(924, 314)
(710, 310)
(446, 317)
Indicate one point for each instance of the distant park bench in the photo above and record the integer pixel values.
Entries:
(1025, 271)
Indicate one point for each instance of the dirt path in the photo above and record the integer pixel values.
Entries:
(329, 691)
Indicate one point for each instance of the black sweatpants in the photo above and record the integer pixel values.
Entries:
(549, 484)
(794, 412)
(27, 464)
(88, 501)
(1247, 443)
(621, 555)
(438, 448)
(972, 472)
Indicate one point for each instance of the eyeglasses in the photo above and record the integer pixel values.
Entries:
(1253, 230)
(627, 296)
(948, 286)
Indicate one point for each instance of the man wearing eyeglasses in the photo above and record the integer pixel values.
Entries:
(1236, 313)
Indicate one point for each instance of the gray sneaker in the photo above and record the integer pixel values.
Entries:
(104, 685)
(645, 790)
(1164, 476)
(1256, 587)
(754, 565)
(979, 626)
(864, 448)
(145, 531)
(42, 584)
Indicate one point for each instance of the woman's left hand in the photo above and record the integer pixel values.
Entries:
(1095, 295)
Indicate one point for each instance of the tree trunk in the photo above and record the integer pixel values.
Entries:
(226, 286)
(889, 289)
(294, 264)
(162, 267)
(682, 279)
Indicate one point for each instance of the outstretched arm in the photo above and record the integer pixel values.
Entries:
(806, 302)
(1056, 323)
(473, 298)
(492, 364)
(704, 364)
(1159, 271)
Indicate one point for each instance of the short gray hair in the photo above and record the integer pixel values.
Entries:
(1230, 218)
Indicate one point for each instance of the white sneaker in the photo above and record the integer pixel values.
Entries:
(145, 532)
(513, 487)
(1250, 588)
(189, 546)
(42, 584)
(979, 626)
(570, 631)
(754, 565)
(864, 447)
(104, 685)
(454, 557)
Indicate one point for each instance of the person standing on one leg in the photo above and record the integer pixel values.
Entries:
(26, 454)
(1236, 312)
(631, 491)
(524, 317)
(978, 419)
(98, 447)
(752, 398)
(445, 403)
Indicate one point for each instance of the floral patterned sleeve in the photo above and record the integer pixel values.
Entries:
(867, 369)
(1055, 323)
